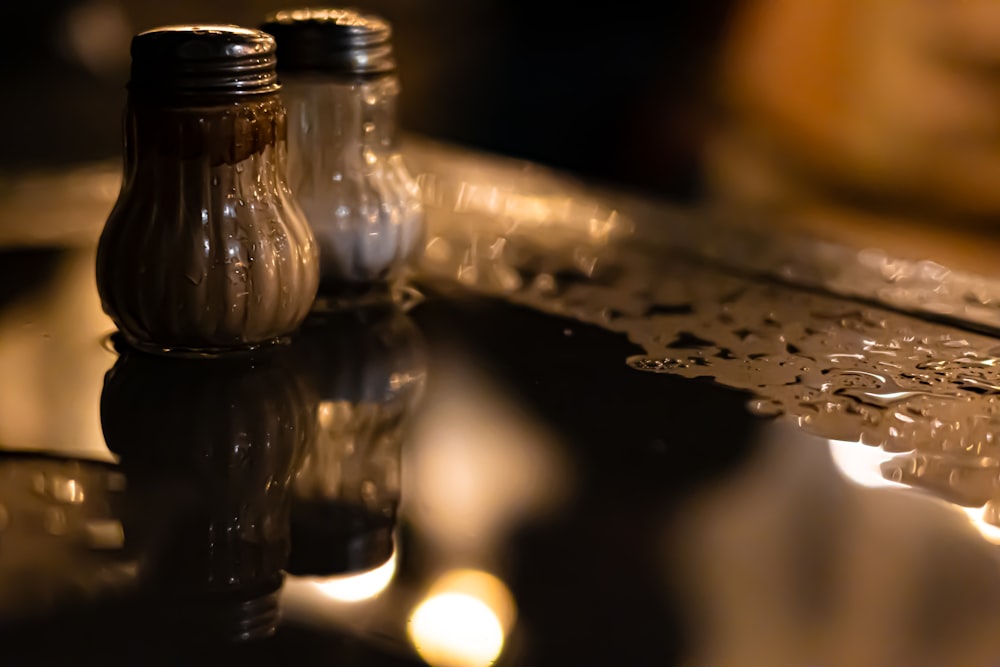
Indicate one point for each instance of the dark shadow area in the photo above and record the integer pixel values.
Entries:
(589, 581)
(614, 95)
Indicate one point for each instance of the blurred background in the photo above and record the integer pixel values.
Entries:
(612, 94)
(878, 117)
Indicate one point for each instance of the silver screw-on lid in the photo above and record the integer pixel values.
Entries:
(186, 60)
(336, 41)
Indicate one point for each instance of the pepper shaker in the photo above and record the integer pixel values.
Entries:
(205, 248)
(340, 85)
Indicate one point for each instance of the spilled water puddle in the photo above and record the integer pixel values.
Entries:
(927, 393)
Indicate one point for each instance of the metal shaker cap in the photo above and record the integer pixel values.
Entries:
(331, 40)
(203, 60)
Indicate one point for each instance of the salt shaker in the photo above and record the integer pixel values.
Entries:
(340, 85)
(205, 248)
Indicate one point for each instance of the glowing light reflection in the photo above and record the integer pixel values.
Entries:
(358, 587)
(478, 465)
(463, 621)
(989, 532)
(862, 464)
(456, 629)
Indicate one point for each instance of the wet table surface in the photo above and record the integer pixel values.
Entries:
(573, 441)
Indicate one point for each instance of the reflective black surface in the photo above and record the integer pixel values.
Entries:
(232, 470)
(488, 472)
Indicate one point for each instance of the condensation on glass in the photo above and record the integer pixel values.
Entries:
(340, 86)
(205, 248)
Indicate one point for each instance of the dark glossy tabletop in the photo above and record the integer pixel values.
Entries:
(585, 436)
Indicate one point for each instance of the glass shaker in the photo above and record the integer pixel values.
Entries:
(340, 86)
(205, 248)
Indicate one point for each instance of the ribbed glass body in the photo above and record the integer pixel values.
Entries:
(206, 248)
(349, 177)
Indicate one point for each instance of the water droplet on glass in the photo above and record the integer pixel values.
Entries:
(369, 492)
(104, 534)
(38, 483)
(66, 490)
(116, 482)
(54, 522)
(544, 283)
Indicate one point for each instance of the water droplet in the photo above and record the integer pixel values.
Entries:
(54, 522)
(764, 407)
(892, 472)
(66, 490)
(104, 534)
(116, 482)
(369, 492)
(194, 278)
(544, 283)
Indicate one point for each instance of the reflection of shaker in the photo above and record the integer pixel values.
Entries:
(340, 86)
(368, 376)
(209, 448)
(205, 247)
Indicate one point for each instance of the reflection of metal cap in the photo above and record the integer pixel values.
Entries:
(335, 41)
(220, 617)
(203, 60)
(331, 538)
